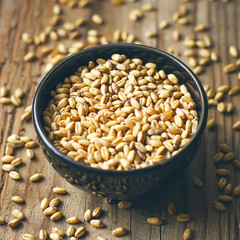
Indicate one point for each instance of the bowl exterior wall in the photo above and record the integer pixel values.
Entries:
(115, 184)
(118, 186)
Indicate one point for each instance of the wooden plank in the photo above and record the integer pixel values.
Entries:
(206, 223)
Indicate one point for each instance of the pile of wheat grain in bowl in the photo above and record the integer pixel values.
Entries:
(120, 114)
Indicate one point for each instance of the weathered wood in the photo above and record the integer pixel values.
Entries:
(222, 20)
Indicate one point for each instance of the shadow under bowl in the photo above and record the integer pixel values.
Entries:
(111, 183)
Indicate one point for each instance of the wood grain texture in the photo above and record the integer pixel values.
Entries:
(31, 16)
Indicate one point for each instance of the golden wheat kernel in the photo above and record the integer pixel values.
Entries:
(219, 96)
(36, 177)
(56, 216)
(5, 100)
(192, 62)
(36, 40)
(16, 101)
(124, 204)
(84, 3)
(200, 28)
(223, 88)
(26, 116)
(55, 20)
(73, 238)
(42, 234)
(221, 107)
(68, 26)
(27, 38)
(17, 214)
(210, 93)
(135, 14)
(88, 215)
(228, 156)
(187, 234)
(73, 220)
(231, 67)
(14, 223)
(18, 93)
(228, 188)
(225, 148)
(30, 153)
(96, 223)
(53, 36)
(234, 91)
(79, 21)
(17, 199)
(16, 144)
(59, 190)
(183, 218)
(222, 172)
(72, 3)
(150, 34)
(54, 202)
(3, 91)
(218, 157)
(163, 24)
(97, 19)
(183, 21)
(198, 70)
(176, 35)
(7, 167)
(214, 56)
(80, 232)
(120, 231)
(56, 9)
(222, 182)
(101, 238)
(17, 162)
(155, 221)
(50, 210)
(211, 123)
(31, 144)
(224, 198)
(175, 16)
(230, 108)
(189, 43)
(236, 190)
(59, 231)
(7, 158)
(205, 53)
(2, 220)
(236, 125)
(233, 51)
(28, 236)
(236, 164)
(55, 236)
(207, 40)
(197, 182)
(29, 57)
(70, 231)
(218, 206)
(96, 212)
(147, 7)
(14, 175)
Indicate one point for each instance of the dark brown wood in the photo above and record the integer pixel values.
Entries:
(31, 16)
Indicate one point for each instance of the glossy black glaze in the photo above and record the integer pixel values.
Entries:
(110, 183)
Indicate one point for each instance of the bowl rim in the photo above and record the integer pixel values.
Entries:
(49, 145)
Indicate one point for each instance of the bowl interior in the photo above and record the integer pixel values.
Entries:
(163, 60)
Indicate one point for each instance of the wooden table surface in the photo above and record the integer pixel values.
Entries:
(222, 21)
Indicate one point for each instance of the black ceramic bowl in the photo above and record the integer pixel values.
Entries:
(111, 183)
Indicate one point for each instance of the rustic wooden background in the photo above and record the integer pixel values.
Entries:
(18, 16)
